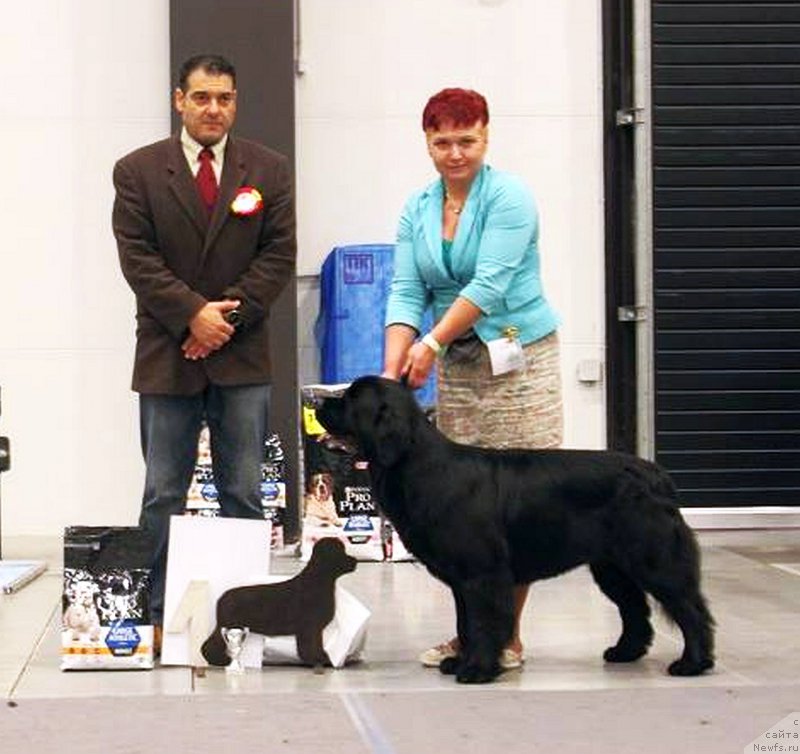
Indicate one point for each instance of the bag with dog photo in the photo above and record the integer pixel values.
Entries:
(338, 497)
(105, 602)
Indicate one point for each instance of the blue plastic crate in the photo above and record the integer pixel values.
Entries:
(354, 287)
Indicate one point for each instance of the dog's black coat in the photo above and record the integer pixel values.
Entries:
(302, 606)
(483, 520)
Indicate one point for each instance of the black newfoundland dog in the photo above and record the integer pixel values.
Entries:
(483, 520)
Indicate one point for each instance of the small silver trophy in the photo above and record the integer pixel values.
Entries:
(234, 639)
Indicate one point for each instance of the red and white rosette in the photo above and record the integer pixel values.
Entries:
(248, 201)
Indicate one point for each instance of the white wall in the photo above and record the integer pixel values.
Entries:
(369, 67)
(88, 80)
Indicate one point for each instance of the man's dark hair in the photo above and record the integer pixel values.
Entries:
(216, 65)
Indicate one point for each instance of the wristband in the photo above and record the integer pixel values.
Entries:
(432, 343)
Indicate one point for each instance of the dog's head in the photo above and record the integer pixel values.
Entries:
(321, 486)
(329, 554)
(379, 414)
(82, 593)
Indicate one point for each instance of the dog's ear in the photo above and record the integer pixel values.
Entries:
(392, 435)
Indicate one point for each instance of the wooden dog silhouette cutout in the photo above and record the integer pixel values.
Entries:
(302, 605)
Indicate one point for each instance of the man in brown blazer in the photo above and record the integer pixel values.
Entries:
(205, 229)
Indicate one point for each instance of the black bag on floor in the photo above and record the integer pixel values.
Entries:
(105, 601)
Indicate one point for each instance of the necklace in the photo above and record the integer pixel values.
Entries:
(448, 202)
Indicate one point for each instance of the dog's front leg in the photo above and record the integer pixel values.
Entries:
(450, 665)
(310, 648)
(485, 608)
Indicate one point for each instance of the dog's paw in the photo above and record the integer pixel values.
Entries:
(685, 667)
(475, 674)
(449, 665)
(624, 653)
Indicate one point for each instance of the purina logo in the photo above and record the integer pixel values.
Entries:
(358, 269)
(782, 738)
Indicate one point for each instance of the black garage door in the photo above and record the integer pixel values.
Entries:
(726, 161)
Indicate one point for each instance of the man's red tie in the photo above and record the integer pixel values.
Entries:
(206, 180)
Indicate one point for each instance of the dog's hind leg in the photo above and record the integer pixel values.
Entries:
(689, 610)
(675, 583)
(630, 599)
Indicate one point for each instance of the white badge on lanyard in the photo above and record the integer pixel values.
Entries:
(505, 353)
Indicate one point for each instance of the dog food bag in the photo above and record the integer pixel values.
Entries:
(273, 488)
(203, 499)
(338, 498)
(105, 606)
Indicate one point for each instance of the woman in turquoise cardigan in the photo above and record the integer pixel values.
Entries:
(467, 246)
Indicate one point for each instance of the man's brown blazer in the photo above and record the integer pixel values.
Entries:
(176, 259)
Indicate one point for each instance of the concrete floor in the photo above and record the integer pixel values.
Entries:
(564, 699)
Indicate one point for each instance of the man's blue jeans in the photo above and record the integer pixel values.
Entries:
(170, 428)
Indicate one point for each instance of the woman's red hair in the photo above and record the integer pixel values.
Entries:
(459, 107)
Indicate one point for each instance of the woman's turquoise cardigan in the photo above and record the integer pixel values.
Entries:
(494, 259)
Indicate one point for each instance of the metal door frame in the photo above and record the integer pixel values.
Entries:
(637, 116)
